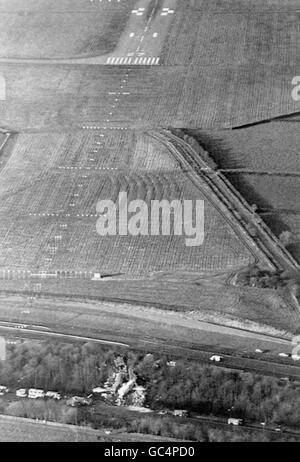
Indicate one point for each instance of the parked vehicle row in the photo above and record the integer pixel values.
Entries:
(34, 393)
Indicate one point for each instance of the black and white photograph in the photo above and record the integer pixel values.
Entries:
(149, 224)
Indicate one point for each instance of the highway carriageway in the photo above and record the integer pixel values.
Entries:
(237, 362)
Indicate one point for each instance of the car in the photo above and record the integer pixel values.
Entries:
(216, 358)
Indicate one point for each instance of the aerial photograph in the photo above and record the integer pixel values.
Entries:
(150, 223)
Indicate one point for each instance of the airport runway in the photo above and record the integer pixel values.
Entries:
(140, 44)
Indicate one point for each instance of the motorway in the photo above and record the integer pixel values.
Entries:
(140, 43)
(242, 360)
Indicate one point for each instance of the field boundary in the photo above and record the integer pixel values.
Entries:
(221, 189)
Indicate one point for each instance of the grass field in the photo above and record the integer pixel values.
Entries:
(24, 430)
(206, 300)
(61, 29)
(64, 96)
(270, 147)
(232, 32)
(48, 198)
(16, 429)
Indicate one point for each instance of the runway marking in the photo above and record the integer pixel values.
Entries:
(103, 128)
(119, 61)
(166, 11)
(138, 12)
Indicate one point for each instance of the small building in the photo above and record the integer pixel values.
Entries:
(97, 277)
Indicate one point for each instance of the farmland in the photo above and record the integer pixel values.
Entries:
(65, 97)
(270, 147)
(68, 29)
(48, 208)
(220, 66)
(212, 35)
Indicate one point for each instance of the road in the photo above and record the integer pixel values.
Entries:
(241, 360)
(222, 423)
(140, 44)
(12, 327)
